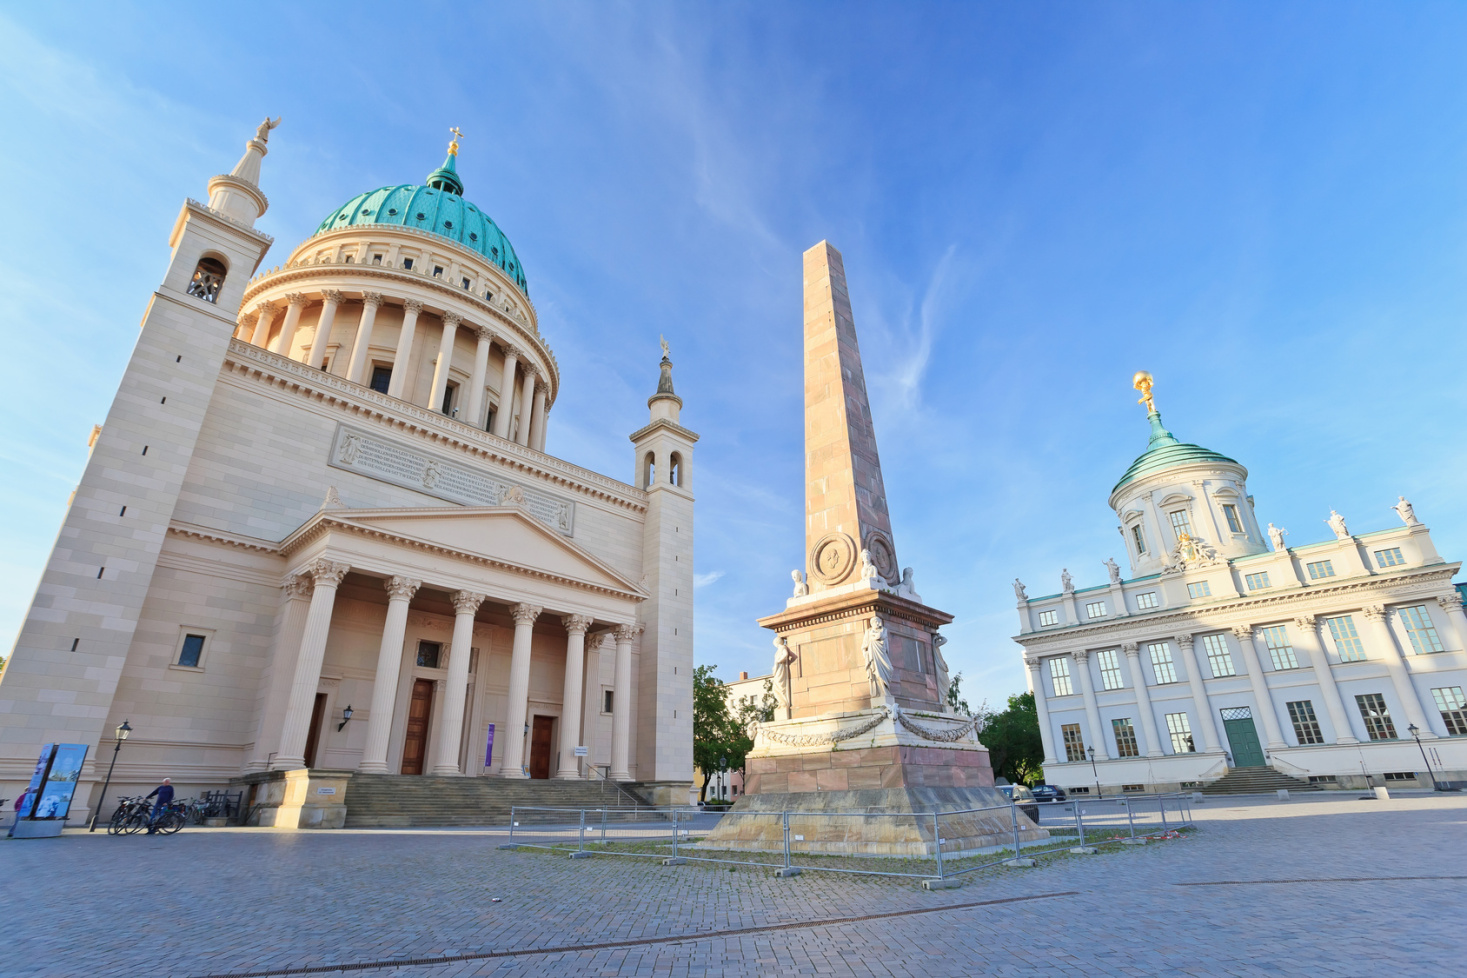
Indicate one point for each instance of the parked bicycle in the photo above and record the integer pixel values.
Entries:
(133, 815)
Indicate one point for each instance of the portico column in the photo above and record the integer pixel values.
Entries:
(1041, 706)
(1254, 665)
(1395, 661)
(474, 412)
(398, 384)
(1451, 603)
(570, 701)
(513, 765)
(506, 392)
(451, 722)
(1308, 627)
(1205, 719)
(245, 328)
(539, 445)
(445, 361)
(621, 704)
(323, 328)
(1092, 708)
(1143, 699)
(296, 302)
(357, 372)
(295, 730)
(263, 324)
(400, 591)
(537, 417)
(281, 670)
(527, 408)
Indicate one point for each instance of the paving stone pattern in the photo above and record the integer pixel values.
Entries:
(231, 901)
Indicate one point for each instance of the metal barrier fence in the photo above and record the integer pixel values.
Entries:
(934, 847)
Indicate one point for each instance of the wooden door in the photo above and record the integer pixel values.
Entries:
(420, 711)
(313, 739)
(1243, 738)
(540, 747)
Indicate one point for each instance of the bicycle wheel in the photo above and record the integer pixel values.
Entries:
(114, 827)
(171, 823)
(135, 823)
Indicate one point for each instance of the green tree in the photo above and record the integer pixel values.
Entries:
(955, 696)
(721, 729)
(1012, 739)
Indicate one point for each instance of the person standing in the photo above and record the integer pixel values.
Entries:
(19, 802)
(164, 792)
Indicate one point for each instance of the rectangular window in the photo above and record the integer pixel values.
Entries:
(1389, 558)
(1423, 633)
(466, 283)
(1180, 523)
(376, 259)
(381, 379)
(608, 700)
(191, 651)
(1047, 618)
(1084, 790)
(1133, 787)
(1256, 582)
(1322, 779)
(1276, 637)
(1110, 669)
(1095, 609)
(1347, 640)
(1218, 656)
(1074, 743)
(1400, 775)
(1320, 569)
(1234, 523)
(1199, 589)
(448, 398)
(1140, 539)
(1377, 718)
(407, 263)
(437, 271)
(1181, 731)
(1059, 676)
(1161, 662)
(1453, 705)
(1125, 738)
(428, 653)
(1306, 724)
(1146, 600)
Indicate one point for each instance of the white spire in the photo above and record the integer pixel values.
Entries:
(237, 195)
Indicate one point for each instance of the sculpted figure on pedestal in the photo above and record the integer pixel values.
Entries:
(784, 657)
(1019, 591)
(1113, 569)
(801, 588)
(944, 680)
(1405, 511)
(1276, 534)
(1337, 523)
(1067, 584)
(878, 660)
(868, 566)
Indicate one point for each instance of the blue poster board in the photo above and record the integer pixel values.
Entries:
(33, 790)
(54, 782)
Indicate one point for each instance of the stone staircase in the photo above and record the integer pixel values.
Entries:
(402, 801)
(1255, 781)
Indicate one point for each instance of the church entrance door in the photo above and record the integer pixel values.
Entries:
(1243, 737)
(415, 743)
(313, 739)
(540, 747)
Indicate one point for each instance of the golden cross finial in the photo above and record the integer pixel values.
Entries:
(1142, 382)
(453, 146)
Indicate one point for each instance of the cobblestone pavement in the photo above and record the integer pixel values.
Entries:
(1362, 888)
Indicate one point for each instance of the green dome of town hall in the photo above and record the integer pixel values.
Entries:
(1164, 450)
(437, 207)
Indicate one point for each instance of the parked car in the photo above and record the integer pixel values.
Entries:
(1048, 792)
(1023, 797)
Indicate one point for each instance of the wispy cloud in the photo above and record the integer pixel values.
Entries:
(703, 580)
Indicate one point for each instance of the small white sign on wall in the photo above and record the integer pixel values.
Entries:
(581, 752)
(325, 790)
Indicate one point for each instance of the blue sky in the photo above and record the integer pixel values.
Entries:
(1263, 204)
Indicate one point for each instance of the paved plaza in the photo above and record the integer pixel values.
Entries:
(1325, 886)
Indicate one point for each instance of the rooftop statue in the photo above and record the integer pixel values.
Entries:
(1143, 383)
(801, 588)
(1067, 583)
(1406, 512)
(1113, 569)
(1276, 534)
(1019, 591)
(262, 133)
(1337, 523)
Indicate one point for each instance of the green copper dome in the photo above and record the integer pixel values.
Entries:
(439, 208)
(1165, 452)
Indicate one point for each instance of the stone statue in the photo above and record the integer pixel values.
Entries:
(663, 340)
(1406, 512)
(801, 588)
(1019, 591)
(1186, 549)
(783, 658)
(263, 132)
(1276, 534)
(1337, 523)
(907, 582)
(1067, 584)
(868, 566)
(431, 472)
(944, 680)
(878, 660)
(1113, 569)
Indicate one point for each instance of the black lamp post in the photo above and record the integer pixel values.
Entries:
(1415, 732)
(122, 731)
(345, 717)
(1094, 771)
(723, 775)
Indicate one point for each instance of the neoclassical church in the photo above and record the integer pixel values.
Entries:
(1232, 652)
(319, 529)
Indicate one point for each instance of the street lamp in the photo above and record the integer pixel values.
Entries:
(345, 717)
(723, 776)
(1091, 752)
(1415, 733)
(123, 730)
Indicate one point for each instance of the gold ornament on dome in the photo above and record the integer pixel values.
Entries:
(1143, 383)
(453, 146)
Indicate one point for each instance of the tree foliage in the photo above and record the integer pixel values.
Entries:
(1012, 739)
(721, 730)
(955, 696)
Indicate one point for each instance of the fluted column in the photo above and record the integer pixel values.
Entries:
(285, 652)
(474, 412)
(527, 408)
(1395, 661)
(1254, 665)
(445, 361)
(323, 328)
(294, 732)
(539, 445)
(1206, 723)
(398, 384)
(451, 717)
(570, 701)
(537, 417)
(1041, 706)
(506, 393)
(621, 704)
(513, 765)
(295, 302)
(245, 328)
(1092, 708)
(266, 311)
(357, 372)
(1334, 705)
(1143, 699)
(1451, 604)
(400, 591)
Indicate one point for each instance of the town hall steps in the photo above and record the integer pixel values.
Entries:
(1255, 781)
(399, 801)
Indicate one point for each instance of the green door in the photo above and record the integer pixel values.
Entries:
(1244, 740)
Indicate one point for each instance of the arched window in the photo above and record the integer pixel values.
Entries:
(649, 470)
(675, 469)
(208, 279)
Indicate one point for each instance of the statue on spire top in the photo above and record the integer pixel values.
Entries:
(1142, 382)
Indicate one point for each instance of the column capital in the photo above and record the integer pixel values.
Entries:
(1184, 641)
(1032, 661)
(266, 308)
(1305, 621)
(1131, 648)
(512, 351)
(328, 573)
(372, 299)
(296, 298)
(1243, 633)
(413, 306)
(451, 319)
(577, 624)
(1081, 656)
(525, 614)
(541, 386)
(333, 295)
(249, 319)
(298, 586)
(1375, 612)
(467, 602)
(484, 333)
(1451, 601)
(625, 633)
(402, 588)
